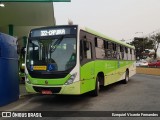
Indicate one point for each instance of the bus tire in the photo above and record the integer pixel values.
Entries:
(125, 81)
(95, 92)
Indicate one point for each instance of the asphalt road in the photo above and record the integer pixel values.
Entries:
(142, 93)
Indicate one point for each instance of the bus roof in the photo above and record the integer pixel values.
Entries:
(108, 38)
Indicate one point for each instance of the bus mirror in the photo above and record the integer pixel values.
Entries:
(18, 49)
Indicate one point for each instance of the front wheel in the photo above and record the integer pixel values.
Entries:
(95, 92)
(125, 81)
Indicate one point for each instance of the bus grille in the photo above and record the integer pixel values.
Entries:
(53, 89)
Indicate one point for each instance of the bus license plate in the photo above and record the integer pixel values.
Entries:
(46, 92)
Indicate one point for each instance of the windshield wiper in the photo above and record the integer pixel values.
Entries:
(57, 43)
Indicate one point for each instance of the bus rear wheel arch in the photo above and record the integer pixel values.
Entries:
(125, 81)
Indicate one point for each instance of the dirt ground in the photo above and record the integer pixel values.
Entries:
(149, 71)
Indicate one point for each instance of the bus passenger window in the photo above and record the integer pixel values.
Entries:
(122, 52)
(105, 44)
(115, 51)
(125, 53)
(110, 50)
(100, 43)
(118, 52)
(87, 50)
(130, 51)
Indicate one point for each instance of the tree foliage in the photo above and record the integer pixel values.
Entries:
(156, 41)
(140, 45)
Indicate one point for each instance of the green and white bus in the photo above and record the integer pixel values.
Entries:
(72, 60)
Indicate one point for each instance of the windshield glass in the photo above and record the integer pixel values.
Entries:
(51, 54)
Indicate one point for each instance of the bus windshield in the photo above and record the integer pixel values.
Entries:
(58, 54)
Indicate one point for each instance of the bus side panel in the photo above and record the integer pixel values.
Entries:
(72, 89)
(108, 68)
(114, 70)
(121, 69)
(123, 65)
(87, 78)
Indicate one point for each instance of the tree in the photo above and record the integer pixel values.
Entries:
(156, 41)
(140, 45)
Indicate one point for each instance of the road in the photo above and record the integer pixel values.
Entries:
(142, 93)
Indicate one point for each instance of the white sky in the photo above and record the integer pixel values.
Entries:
(115, 18)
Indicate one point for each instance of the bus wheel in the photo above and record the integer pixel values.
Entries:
(125, 81)
(95, 92)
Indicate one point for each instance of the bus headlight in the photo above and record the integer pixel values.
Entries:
(23, 64)
(71, 79)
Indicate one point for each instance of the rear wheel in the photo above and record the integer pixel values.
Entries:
(125, 81)
(95, 92)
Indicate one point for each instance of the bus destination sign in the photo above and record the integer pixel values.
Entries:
(52, 32)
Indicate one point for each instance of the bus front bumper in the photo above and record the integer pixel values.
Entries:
(72, 89)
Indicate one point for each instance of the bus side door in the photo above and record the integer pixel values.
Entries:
(87, 66)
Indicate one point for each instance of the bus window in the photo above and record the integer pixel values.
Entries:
(114, 46)
(87, 50)
(126, 49)
(110, 51)
(129, 54)
(126, 53)
(114, 51)
(118, 52)
(122, 52)
(81, 50)
(105, 48)
(130, 51)
(100, 43)
(100, 52)
(105, 44)
(133, 55)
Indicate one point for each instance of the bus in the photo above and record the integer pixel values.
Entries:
(71, 60)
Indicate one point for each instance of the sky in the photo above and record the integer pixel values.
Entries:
(118, 19)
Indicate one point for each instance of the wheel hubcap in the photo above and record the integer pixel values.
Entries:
(127, 78)
(98, 86)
